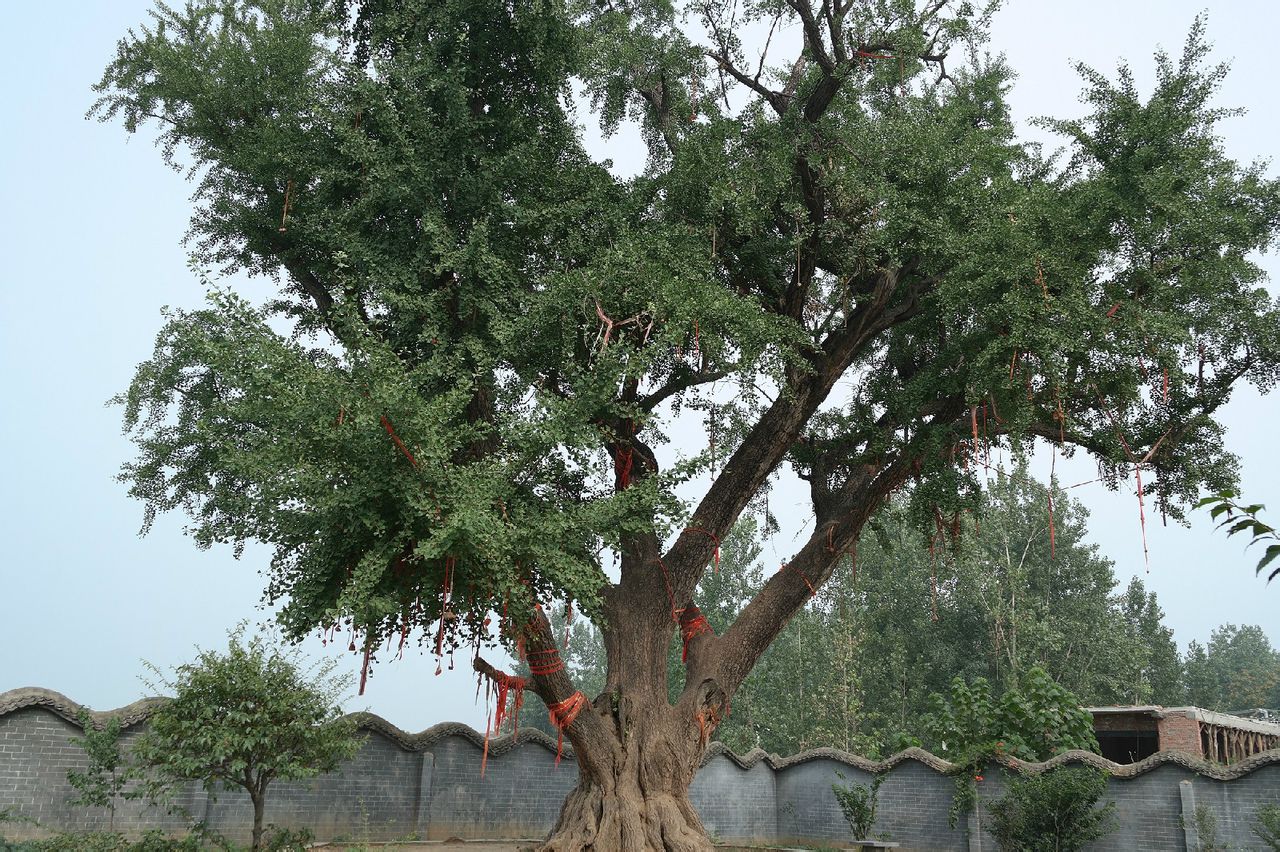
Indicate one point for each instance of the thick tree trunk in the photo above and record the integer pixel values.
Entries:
(633, 787)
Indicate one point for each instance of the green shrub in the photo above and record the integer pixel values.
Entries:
(1053, 812)
(1266, 824)
(105, 841)
(858, 804)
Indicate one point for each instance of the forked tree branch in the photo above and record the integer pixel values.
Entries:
(768, 442)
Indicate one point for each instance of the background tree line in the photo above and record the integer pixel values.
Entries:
(857, 667)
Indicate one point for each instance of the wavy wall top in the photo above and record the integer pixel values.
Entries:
(137, 712)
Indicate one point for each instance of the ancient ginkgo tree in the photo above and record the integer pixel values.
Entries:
(459, 407)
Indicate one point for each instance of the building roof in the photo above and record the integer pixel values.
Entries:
(1223, 720)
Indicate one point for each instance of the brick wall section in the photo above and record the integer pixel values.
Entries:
(1105, 722)
(736, 803)
(912, 806)
(1235, 804)
(36, 753)
(1180, 732)
(400, 786)
(519, 796)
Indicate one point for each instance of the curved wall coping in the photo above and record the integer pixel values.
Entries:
(137, 712)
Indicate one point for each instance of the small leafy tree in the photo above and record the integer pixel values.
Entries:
(102, 783)
(246, 718)
(858, 804)
(1033, 721)
(1053, 812)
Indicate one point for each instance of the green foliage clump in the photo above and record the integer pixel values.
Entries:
(245, 718)
(105, 841)
(1266, 824)
(1031, 722)
(1238, 669)
(1053, 812)
(858, 804)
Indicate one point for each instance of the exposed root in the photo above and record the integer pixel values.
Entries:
(591, 821)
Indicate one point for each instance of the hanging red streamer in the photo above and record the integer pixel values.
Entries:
(510, 691)
(364, 668)
(568, 621)
(444, 608)
(623, 458)
(788, 567)
(671, 597)
(1053, 460)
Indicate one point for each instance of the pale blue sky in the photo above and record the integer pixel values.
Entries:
(91, 228)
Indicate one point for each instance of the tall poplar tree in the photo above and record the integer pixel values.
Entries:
(458, 407)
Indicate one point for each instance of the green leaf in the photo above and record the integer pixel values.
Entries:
(1267, 557)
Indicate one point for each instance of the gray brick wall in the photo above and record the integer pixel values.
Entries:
(736, 803)
(429, 785)
(519, 796)
(912, 808)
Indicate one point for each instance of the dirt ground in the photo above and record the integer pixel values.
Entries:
(467, 846)
(433, 846)
(424, 846)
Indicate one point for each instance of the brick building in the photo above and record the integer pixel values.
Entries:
(1129, 734)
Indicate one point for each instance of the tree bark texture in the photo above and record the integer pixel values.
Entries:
(633, 783)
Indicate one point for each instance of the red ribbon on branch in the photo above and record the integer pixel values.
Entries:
(395, 439)
(562, 714)
(546, 662)
(623, 459)
(692, 623)
(506, 685)
(716, 541)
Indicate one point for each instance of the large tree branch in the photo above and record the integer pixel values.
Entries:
(759, 623)
(552, 687)
(813, 34)
(774, 99)
(765, 446)
(682, 380)
(310, 284)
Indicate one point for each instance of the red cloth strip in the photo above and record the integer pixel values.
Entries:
(798, 573)
(562, 714)
(395, 439)
(692, 623)
(545, 662)
(713, 538)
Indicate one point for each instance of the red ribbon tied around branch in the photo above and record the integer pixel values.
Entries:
(562, 714)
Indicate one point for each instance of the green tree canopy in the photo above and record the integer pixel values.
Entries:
(461, 400)
(1239, 670)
